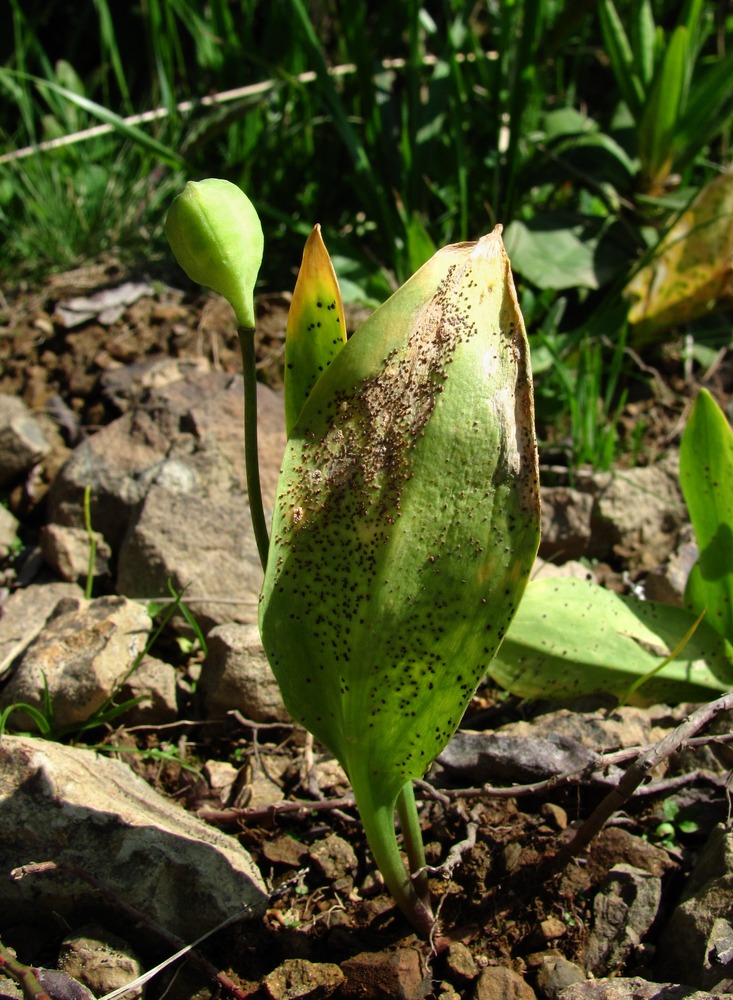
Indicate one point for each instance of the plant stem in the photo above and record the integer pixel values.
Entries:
(412, 838)
(251, 456)
(24, 975)
(92, 560)
(378, 820)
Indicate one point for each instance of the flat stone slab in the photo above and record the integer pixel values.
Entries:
(83, 810)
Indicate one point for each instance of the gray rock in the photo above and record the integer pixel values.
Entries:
(84, 810)
(479, 758)
(111, 463)
(667, 582)
(155, 682)
(66, 551)
(168, 492)
(105, 305)
(236, 675)
(334, 856)
(554, 973)
(697, 945)
(639, 512)
(500, 983)
(633, 988)
(461, 962)
(99, 960)
(622, 727)
(624, 909)
(80, 659)
(22, 441)
(298, 979)
(8, 532)
(203, 545)
(24, 614)
(566, 523)
(126, 386)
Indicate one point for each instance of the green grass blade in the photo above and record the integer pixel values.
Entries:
(691, 16)
(657, 128)
(524, 88)
(675, 653)
(108, 40)
(121, 127)
(643, 37)
(621, 57)
(708, 111)
(365, 178)
(32, 711)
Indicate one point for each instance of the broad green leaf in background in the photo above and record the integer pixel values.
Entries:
(405, 528)
(692, 268)
(706, 477)
(316, 328)
(570, 637)
(567, 250)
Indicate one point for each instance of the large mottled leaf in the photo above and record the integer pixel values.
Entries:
(706, 477)
(692, 268)
(572, 638)
(405, 526)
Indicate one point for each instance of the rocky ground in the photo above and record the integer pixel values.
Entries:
(200, 802)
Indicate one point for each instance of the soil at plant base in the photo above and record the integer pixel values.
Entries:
(501, 905)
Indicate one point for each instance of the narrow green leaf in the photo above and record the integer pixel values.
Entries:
(673, 655)
(706, 477)
(643, 38)
(316, 328)
(656, 130)
(708, 110)
(691, 16)
(621, 58)
(127, 131)
(32, 712)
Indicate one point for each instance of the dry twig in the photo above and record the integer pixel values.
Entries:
(637, 772)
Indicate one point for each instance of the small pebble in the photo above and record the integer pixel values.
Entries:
(556, 815)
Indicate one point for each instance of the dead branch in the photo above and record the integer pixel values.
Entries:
(636, 773)
(259, 814)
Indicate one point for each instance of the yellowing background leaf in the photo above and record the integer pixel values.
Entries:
(692, 270)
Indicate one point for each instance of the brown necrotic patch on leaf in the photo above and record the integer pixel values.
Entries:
(362, 462)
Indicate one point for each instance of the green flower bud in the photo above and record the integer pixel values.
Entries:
(216, 236)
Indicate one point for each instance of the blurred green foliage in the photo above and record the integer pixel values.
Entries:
(586, 128)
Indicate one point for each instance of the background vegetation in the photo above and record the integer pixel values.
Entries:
(584, 127)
